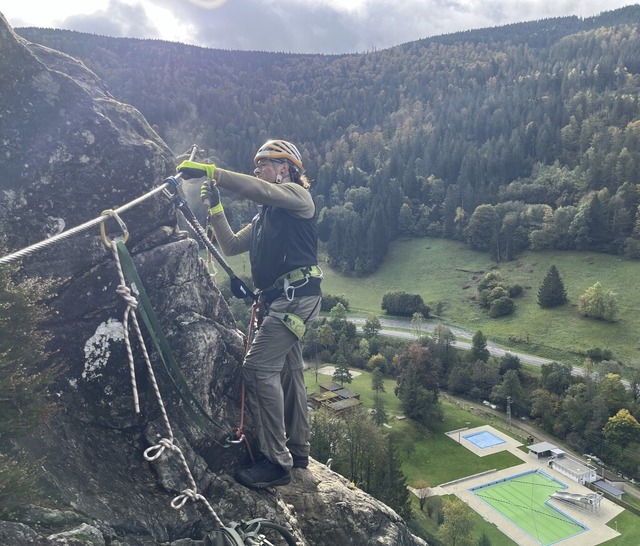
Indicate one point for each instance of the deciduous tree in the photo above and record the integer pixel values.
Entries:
(622, 429)
(596, 302)
(457, 529)
(371, 326)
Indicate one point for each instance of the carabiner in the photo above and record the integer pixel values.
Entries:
(123, 227)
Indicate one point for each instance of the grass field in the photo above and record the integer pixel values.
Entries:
(628, 527)
(523, 500)
(439, 270)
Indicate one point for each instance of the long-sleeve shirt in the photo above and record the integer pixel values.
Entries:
(287, 195)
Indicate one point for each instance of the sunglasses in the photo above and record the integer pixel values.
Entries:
(264, 162)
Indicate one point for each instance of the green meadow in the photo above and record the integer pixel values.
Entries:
(444, 273)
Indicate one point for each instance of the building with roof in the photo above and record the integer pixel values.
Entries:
(334, 397)
(564, 464)
(609, 488)
(544, 450)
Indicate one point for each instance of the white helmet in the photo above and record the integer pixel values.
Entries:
(279, 149)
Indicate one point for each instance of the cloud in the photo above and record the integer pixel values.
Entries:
(266, 25)
(301, 26)
(208, 4)
(118, 19)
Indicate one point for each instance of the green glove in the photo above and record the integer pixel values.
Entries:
(191, 169)
(210, 196)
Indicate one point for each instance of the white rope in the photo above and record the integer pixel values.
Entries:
(154, 452)
(73, 231)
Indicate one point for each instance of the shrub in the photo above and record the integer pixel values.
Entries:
(515, 290)
(329, 301)
(495, 295)
(403, 304)
(501, 307)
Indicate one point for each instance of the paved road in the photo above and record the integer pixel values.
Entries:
(408, 332)
(461, 335)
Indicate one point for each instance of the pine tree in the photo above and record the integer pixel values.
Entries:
(552, 292)
(379, 413)
(479, 349)
(394, 491)
(24, 403)
(377, 381)
(342, 374)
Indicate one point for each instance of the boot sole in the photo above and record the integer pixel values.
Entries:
(263, 485)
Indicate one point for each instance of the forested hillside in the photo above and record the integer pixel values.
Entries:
(523, 136)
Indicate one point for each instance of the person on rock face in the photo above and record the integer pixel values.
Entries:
(282, 244)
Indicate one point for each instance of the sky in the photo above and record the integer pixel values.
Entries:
(291, 26)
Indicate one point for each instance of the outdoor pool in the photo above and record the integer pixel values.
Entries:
(484, 439)
(523, 499)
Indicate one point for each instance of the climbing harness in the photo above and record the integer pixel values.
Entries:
(292, 281)
(288, 283)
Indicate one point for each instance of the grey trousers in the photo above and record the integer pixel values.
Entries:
(274, 383)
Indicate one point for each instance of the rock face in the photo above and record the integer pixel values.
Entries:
(69, 151)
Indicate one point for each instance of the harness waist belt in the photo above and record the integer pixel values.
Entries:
(298, 274)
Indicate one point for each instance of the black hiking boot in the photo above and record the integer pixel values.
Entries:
(300, 461)
(264, 474)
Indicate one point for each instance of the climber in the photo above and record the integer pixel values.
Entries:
(282, 244)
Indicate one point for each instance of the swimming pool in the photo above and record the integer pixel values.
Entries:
(484, 439)
(524, 500)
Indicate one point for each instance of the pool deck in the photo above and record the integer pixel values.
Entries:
(598, 531)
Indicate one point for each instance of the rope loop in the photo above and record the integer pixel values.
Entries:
(155, 452)
(125, 232)
(241, 438)
(186, 495)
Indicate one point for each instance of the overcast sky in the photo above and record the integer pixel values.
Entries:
(293, 26)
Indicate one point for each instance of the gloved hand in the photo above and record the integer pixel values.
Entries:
(191, 169)
(209, 194)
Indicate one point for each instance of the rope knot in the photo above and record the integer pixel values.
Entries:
(155, 452)
(187, 494)
(124, 291)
